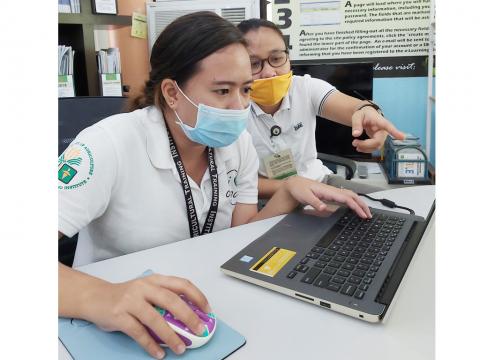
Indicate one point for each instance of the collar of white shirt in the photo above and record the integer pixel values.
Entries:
(158, 146)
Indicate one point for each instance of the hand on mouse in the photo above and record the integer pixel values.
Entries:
(127, 307)
(189, 337)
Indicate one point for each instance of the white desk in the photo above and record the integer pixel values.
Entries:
(281, 327)
(376, 179)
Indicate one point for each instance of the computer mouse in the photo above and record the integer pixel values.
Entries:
(190, 339)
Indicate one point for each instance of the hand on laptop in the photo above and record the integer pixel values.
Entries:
(127, 307)
(314, 193)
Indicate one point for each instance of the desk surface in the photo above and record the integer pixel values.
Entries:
(377, 178)
(286, 328)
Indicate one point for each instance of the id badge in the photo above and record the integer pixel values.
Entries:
(280, 165)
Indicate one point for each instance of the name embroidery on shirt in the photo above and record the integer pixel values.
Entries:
(232, 192)
(298, 126)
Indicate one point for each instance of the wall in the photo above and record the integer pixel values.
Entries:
(404, 102)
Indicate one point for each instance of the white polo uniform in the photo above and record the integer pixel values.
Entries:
(118, 186)
(297, 119)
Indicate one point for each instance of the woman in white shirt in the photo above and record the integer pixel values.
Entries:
(284, 110)
(178, 166)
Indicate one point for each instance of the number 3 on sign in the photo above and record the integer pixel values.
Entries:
(284, 19)
(284, 14)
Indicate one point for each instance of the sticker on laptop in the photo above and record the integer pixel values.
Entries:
(273, 261)
(246, 258)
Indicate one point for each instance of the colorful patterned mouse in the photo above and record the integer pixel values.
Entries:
(190, 339)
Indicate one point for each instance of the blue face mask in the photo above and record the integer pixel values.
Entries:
(215, 127)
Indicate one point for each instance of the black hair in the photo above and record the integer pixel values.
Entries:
(180, 47)
(254, 24)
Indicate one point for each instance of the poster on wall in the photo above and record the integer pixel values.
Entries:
(392, 34)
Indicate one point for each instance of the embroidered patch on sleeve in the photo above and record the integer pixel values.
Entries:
(75, 166)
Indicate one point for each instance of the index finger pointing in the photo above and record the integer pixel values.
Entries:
(392, 130)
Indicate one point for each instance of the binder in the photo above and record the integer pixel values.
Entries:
(109, 69)
(65, 86)
(65, 71)
(110, 85)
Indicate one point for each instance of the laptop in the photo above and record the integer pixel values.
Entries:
(339, 262)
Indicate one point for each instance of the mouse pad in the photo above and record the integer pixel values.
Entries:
(85, 341)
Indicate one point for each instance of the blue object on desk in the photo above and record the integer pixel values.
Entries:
(85, 341)
(405, 161)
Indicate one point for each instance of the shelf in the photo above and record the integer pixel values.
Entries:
(77, 30)
(93, 19)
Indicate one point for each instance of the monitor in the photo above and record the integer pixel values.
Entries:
(331, 137)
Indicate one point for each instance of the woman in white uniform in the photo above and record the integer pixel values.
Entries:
(178, 166)
(284, 110)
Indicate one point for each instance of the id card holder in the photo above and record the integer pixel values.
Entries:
(280, 165)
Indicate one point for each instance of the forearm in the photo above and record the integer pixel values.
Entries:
(268, 187)
(282, 202)
(340, 107)
(74, 290)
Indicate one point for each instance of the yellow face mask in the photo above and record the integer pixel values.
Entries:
(272, 90)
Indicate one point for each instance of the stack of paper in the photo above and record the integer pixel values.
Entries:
(65, 60)
(69, 6)
(64, 6)
(109, 68)
(108, 61)
(75, 5)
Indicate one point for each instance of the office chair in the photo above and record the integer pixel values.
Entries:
(74, 115)
(78, 113)
(331, 161)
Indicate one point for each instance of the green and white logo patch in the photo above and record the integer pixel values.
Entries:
(66, 173)
(75, 166)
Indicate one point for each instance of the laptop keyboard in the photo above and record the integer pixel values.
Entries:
(348, 257)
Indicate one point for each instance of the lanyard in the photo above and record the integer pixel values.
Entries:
(190, 205)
